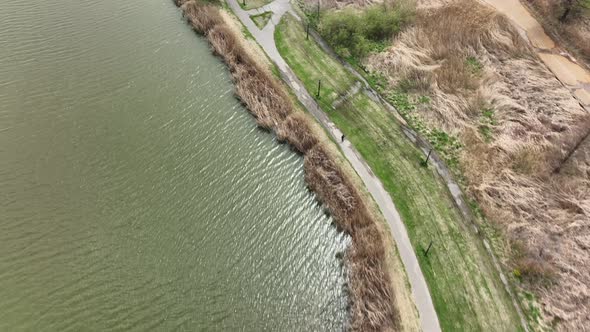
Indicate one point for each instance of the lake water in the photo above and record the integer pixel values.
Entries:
(136, 193)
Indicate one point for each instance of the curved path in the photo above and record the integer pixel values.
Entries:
(265, 37)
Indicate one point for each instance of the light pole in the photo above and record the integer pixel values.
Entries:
(319, 87)
(318, 11)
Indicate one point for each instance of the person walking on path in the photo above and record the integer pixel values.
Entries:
(343, 138)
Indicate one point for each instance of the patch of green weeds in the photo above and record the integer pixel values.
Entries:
(261, 19)
(486, 123)
(447, 145)
(379, 46)
(488, 113)
(376, 80)
(486, 132)
(475, 67)
(475, 209)
(424, 100)
(402, 102)
(532, 309)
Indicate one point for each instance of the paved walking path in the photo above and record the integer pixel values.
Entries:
(265, 37)
(571, 74)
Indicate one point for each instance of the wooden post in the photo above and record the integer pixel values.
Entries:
(424, 163)
(319, 87)
(427, 250)
(318, 11)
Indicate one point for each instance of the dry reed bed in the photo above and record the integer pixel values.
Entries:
(371, 296)
(524, 175)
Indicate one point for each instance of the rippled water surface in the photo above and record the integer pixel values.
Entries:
(137, 194)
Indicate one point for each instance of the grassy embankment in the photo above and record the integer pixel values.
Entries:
(379, 296)
(466, 291)
(261, 19)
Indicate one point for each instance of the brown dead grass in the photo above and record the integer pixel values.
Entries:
(574, 33)
(295, 131)
(370, 286)
(372, 305)
(532, 178)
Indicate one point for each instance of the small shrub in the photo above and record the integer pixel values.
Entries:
(343, 31)
(380, 23)
(572, 8)
(454, 75)
(535, 270)
(415, 81)
(355, 34)
(406, 85)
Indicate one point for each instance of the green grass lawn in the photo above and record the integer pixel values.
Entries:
(251, 4)
(261, 19)
(311, 61)
(467, 293)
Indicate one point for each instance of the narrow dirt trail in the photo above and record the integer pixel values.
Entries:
(571, 74)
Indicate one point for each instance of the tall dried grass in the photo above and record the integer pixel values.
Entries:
(371, 298)
(295, 131)
(532, 178)
(574, 32)
(372, 306)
